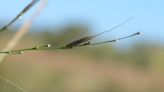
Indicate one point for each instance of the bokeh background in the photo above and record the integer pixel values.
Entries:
(132, 65)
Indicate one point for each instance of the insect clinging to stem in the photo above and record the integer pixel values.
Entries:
(86, 40)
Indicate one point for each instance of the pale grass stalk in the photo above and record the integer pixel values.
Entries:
(23, 30)
(13, 84)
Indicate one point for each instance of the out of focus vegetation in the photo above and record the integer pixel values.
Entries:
(101, 68)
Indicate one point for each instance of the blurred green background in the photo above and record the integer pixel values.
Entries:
(100, 68)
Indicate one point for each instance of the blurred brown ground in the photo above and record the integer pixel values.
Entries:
(87, 69)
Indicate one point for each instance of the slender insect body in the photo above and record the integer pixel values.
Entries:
(78, 42)
(84, 40)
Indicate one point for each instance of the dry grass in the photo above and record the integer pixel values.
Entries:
(23, 30)
(19, 34)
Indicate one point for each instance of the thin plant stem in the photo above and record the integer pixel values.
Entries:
(48, 46)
